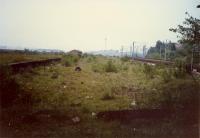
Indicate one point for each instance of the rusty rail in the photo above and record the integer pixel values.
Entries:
(187, 66)
(153, 61)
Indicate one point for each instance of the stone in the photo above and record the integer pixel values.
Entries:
(78, 68)
(76, 119)
(54, 75)
(88, 97)
(94, 114)
(76, 103)
(133, 103)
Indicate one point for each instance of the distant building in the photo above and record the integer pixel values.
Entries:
(75, 52)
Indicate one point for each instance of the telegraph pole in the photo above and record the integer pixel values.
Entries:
(165, 50)
(133, 50)
(136, 51)
(192, 60)
(130, 51)
(144, 51)
(122, 51)
(160, 53)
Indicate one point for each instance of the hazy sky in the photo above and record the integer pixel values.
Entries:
(84, 24)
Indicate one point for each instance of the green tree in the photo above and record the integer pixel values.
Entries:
(189, 32)
(189, 36)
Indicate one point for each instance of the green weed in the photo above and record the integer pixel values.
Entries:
(70, 60)
(110, 67)
(149, 71)
(107, 96)
(125, 59)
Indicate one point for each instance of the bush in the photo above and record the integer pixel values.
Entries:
(137, 68)
(125, 67)
(149, 70)
(85, 110)
(55, 75)
(180, 68)
(97, 68)
(85, 55)
(180, 94)
(167, 75)
(125, 59)
(110, 67)
(69, 60)
(91, 58)
(176, 94)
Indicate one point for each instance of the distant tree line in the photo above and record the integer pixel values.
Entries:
(28, 51)
(158, 52)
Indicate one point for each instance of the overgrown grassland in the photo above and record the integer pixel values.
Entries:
(59, 94)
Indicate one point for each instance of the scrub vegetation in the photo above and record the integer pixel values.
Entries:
(62, 102)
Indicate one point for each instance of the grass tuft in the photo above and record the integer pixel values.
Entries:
(110, 67)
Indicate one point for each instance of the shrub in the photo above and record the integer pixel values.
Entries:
(110, 67)
(125, 59)
(85, 110)
(167, 75)
(180, 94)
(85, 55)
(176, 94)
(149, 70)
(180, 68)
(125, 67)
(55, 75)
(91, 58)
(69, 60)
(97, 68)
(137, 68)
